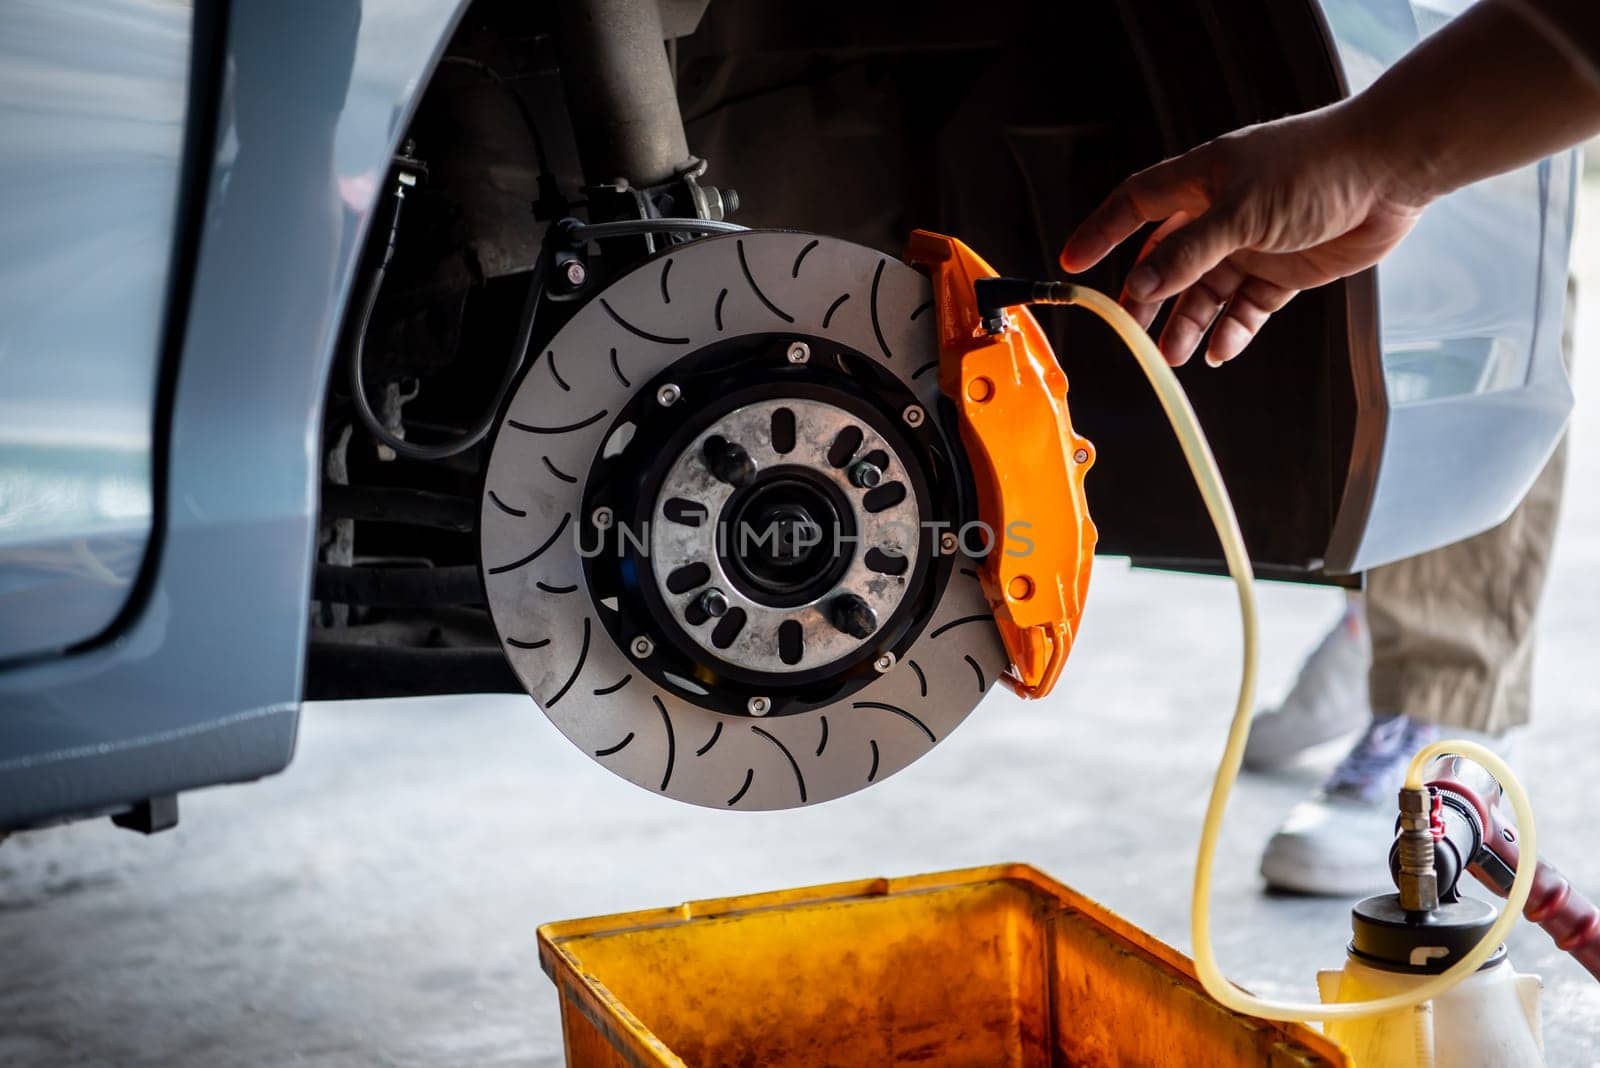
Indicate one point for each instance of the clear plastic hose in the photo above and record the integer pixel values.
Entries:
(1209, 480)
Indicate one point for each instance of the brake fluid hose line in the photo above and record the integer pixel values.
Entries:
(996, 294)
(572, 232)
(357, 355)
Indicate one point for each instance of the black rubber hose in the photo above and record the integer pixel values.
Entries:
(480, 430)
(358, 391)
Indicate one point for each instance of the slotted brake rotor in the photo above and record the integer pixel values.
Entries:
(715, 530)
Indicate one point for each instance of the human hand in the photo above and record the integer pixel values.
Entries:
(1250, 219)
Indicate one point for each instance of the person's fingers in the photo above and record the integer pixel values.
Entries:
(1185, 255)
(1196, 309)
(1154, 193)
(1145, 311)
(1251, 305)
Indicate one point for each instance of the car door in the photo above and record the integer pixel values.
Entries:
(93, 100)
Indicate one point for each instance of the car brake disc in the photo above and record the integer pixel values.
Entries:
(718, 519)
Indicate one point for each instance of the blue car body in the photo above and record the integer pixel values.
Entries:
(188, 191)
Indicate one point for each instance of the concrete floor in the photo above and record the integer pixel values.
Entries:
(377, 903)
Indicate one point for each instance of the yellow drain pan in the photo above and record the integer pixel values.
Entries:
(995, 966)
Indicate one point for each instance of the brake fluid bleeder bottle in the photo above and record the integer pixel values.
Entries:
(1490, 1020)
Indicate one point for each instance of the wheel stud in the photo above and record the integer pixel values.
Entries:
(852, 615)
(727, 460)
(713, 603)
(865, 475)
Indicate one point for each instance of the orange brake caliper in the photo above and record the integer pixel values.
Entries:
(1027, 462)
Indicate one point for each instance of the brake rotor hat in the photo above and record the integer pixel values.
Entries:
(712, 519)
(805, 562)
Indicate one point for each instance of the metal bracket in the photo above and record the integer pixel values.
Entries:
(151, 815)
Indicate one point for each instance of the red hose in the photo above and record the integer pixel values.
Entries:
(1568, 917)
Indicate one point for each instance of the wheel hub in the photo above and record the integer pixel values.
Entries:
(807, 562)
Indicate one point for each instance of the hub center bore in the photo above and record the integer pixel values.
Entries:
(787, 537)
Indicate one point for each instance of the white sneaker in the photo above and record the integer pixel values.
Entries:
(1328, 700)
(1337, 842)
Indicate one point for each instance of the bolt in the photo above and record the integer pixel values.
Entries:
(713, 602)
(601, 518)
(727, 460)
(758, 706)
(884, 663)
(799, 352)
(576, 273)
(668, 395)
(948, 543)
(865, 475)
(913, 415)
(642, 647)
(1081, 456)
(852, 615)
